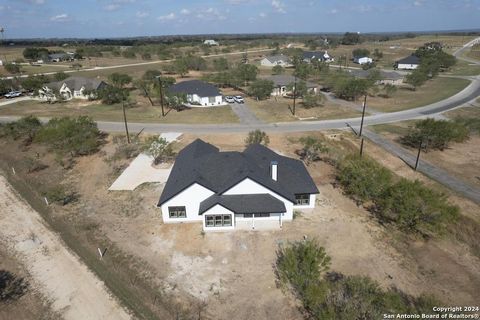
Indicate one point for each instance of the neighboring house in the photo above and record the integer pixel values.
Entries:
(409, 63)
(255, 188)
(386, 77)
(277, 60)
(211, 42)
(309, 56)
(59, 57)
(362, 60)
(282, 81)
(199, 93)
(71, 88)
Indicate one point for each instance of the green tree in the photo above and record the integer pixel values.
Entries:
(360, 52)
(300, 88)
(112, 95)
(180, 67)
(6, 85)
(74, 136)
(303, 70)
(34, 54)
(363, 178)
(350, 38)
(377, 54)
(311, 100)
(278, 70)
(33, 83)
(120, 80)
(220, 64)
(12, 68)
(312, 149)
(416, 208)
(389, 90)
(416, 78)
(435, 134)
(261, 89)
(257, 136)
(246, 73)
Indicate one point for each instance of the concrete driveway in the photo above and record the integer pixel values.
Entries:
(244, 114)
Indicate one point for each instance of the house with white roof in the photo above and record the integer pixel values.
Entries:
(253, 189)
(211, 42)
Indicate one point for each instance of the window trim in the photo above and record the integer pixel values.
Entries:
(218, 220)
(302, 199)
(174, 210)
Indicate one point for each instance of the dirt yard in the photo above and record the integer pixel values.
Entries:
(231, 275)
(58, 274)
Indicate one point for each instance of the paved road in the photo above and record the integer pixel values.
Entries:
(14, 100)
(426, 168)
(245, 115)
(459, 53)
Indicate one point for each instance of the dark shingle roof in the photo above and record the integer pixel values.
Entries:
(76, 83)
(409, 60)
(245, 203)
(313, 55)
(200, 88)
(202, 163)
(384, 75)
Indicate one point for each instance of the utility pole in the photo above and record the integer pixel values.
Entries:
(294, 93)
(160, 88)
(363, 115)
(418, 154)
(361, 148)
(125, 120)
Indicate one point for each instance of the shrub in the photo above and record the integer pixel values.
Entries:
(363, 178)
(261, 89)
(257, 136)
(415, 208)
(12, 68)
(25, 128)
(59, 76)
(12, 287)
(159, 149)
(302, 266)
(112, 95)
(473, 124)
(435, 134)
(311, 100)
(60, 195)
(76, 136)
(312, 148)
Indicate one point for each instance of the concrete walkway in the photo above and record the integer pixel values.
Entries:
(426, 168)
(244, 114)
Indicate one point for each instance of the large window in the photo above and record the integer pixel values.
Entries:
(224, 220)
(257, 215)
(302, 199)
(177, 212)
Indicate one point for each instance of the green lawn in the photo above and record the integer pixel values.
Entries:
(463, 68)
(434, 90)
(140, 113)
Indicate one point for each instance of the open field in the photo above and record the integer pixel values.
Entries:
(432, 91)
(462, 160)
(464, 68)
(230, 274)
(142, 112)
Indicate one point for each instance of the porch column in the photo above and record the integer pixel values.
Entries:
(253, 221)
(281, 220)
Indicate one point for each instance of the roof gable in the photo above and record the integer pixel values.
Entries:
(200, 88)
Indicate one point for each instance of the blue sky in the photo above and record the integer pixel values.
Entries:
(118, 18)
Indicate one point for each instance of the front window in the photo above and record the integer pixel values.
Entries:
(177, 212)
(224, 220)
(302, 199)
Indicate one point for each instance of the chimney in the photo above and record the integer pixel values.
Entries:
(274, 170)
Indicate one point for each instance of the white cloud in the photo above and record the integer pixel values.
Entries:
(142, 14)
(418, 3)
(185, 11)
(60, 18)
(116, 4)
(238, 1)
(334, 11)
(211, 14)
(278, 6)
(262, 14)
(168, 17)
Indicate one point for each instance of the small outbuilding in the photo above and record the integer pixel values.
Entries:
(362, 60)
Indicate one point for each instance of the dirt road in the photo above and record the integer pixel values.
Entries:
(75, 291)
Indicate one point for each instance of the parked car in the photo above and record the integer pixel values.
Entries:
(229, 99)
(13, 94)
(239, 99)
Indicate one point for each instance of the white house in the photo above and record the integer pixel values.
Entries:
(253, 189)
(71, 88)
(199, 93)
(282, 81)
(362, 60)
(277, 60)
(211, 42)
(409, 63)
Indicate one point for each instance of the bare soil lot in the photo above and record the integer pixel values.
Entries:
(230, 275)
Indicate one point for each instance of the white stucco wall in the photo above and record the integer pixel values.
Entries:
(205, 101)
(248, 186)
(407, 66)
(190, 198)
(218, 210)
